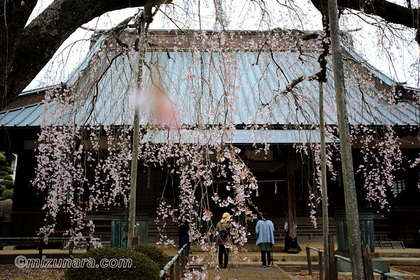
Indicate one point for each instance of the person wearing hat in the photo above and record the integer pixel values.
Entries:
(223, 228)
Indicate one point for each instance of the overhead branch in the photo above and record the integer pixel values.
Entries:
(390, 12)
(25, 50)
(290, 87)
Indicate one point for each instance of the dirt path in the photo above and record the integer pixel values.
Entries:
(250, 272)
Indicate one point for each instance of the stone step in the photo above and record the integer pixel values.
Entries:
(404, 261)
(306, 231)
(399, 253)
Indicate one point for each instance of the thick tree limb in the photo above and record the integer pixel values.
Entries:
(24, 51)
(390, 12)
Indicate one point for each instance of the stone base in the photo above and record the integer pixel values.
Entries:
(377, 263)
(293, 251)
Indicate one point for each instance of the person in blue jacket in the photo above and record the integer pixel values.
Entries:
(265, 238)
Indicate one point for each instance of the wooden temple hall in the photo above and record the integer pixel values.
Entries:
(260, 79)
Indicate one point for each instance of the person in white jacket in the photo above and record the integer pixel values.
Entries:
(265, 238)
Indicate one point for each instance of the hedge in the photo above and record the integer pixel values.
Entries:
(141, 268)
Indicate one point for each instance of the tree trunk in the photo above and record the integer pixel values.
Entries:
(135, 150)
(352, 214)
(325, 222)
(25, 50)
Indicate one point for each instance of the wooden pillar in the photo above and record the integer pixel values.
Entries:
(308, 257)
(172, 272)
(291, 193)
(352, 213)
(321, 265)
(176, 269)
(332, 262)
(41, 245)
(367, 262)
(135, 146)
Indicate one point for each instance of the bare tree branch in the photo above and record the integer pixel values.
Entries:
(24, 51)
(390, 12)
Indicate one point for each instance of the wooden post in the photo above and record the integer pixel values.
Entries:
(325, 221)
(184, 260)
(308, 257)
(333, 265)
(88, 244)
(349, 184)
(71, 248)
(171, 273)
(135, 147)
(41, 243)
(291, 165)
(176, 269)
(321, 266)
(367, 262)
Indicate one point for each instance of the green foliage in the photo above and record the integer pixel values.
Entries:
(7, 194)
(8, 184)
(154, 253)
(6, 178)
(5, 171)
(142, 267)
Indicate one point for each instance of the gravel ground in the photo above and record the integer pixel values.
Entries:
(303, 275)
(245, 272)
(410, 268)
(254, 272)
(10, 271)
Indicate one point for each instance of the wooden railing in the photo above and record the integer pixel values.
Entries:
(36, 239)
(40, 242)
(174, 269)
(367, 260)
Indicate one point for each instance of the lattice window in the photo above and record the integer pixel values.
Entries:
(398, 187)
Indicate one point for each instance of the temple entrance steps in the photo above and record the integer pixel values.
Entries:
(102, 221)
(250, 255)
(306, 230)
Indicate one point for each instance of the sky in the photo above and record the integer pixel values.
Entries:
(391, 49)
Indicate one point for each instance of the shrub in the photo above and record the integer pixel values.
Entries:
(142, 267)
(154, 253)
(8, 184)
(6, 180)
(6, 177)
(7, 194)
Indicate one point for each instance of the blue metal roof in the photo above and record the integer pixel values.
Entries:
(24, 116)
(196, 85)
(238, 136)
